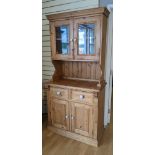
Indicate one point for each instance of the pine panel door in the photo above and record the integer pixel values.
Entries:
(59, 114)
(82, 119)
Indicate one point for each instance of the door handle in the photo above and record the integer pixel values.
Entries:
(66, 116)
(72, 117)
(75, 39)
(71, 40)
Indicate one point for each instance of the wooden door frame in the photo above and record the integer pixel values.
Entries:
(55, 55)
(87, 20)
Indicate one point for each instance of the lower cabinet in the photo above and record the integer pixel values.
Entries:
(75, 117)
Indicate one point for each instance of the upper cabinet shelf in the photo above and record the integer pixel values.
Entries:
(76, 36)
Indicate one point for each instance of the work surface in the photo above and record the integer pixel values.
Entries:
(54, 144)
(76, 84)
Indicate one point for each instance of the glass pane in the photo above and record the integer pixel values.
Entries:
(86, 39)
(62, 39)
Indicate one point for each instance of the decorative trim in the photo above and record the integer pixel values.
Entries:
(74, 136)
(86, 12)
(110, 7)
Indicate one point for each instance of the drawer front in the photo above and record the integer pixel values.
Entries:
(81, 96)
(59, 93)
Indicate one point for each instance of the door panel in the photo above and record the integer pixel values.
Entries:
(60, 117)
(81, 119)
(87, 37)
(62, 39)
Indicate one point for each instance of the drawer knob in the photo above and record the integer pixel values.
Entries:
(81, 97)
(58, 93)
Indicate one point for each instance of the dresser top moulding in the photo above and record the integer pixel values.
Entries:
(79, 13)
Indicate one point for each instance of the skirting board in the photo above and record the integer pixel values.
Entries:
(74, 136)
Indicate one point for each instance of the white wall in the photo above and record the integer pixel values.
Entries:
(108, 69)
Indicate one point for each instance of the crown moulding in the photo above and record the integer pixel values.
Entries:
(87, 12)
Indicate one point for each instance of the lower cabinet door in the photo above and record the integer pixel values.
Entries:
(82, 119)
(59, 114)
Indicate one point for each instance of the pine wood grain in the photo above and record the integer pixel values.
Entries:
(82, 85)
(59, 107)
(79, 69)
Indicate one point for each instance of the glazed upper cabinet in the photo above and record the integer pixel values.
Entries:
(76, 38)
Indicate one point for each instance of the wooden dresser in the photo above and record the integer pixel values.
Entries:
(76, 90)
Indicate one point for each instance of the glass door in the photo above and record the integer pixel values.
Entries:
(86, 39)
(87, 33)
(61, 39)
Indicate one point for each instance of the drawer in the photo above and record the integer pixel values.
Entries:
(58, 92)
(81, 96)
